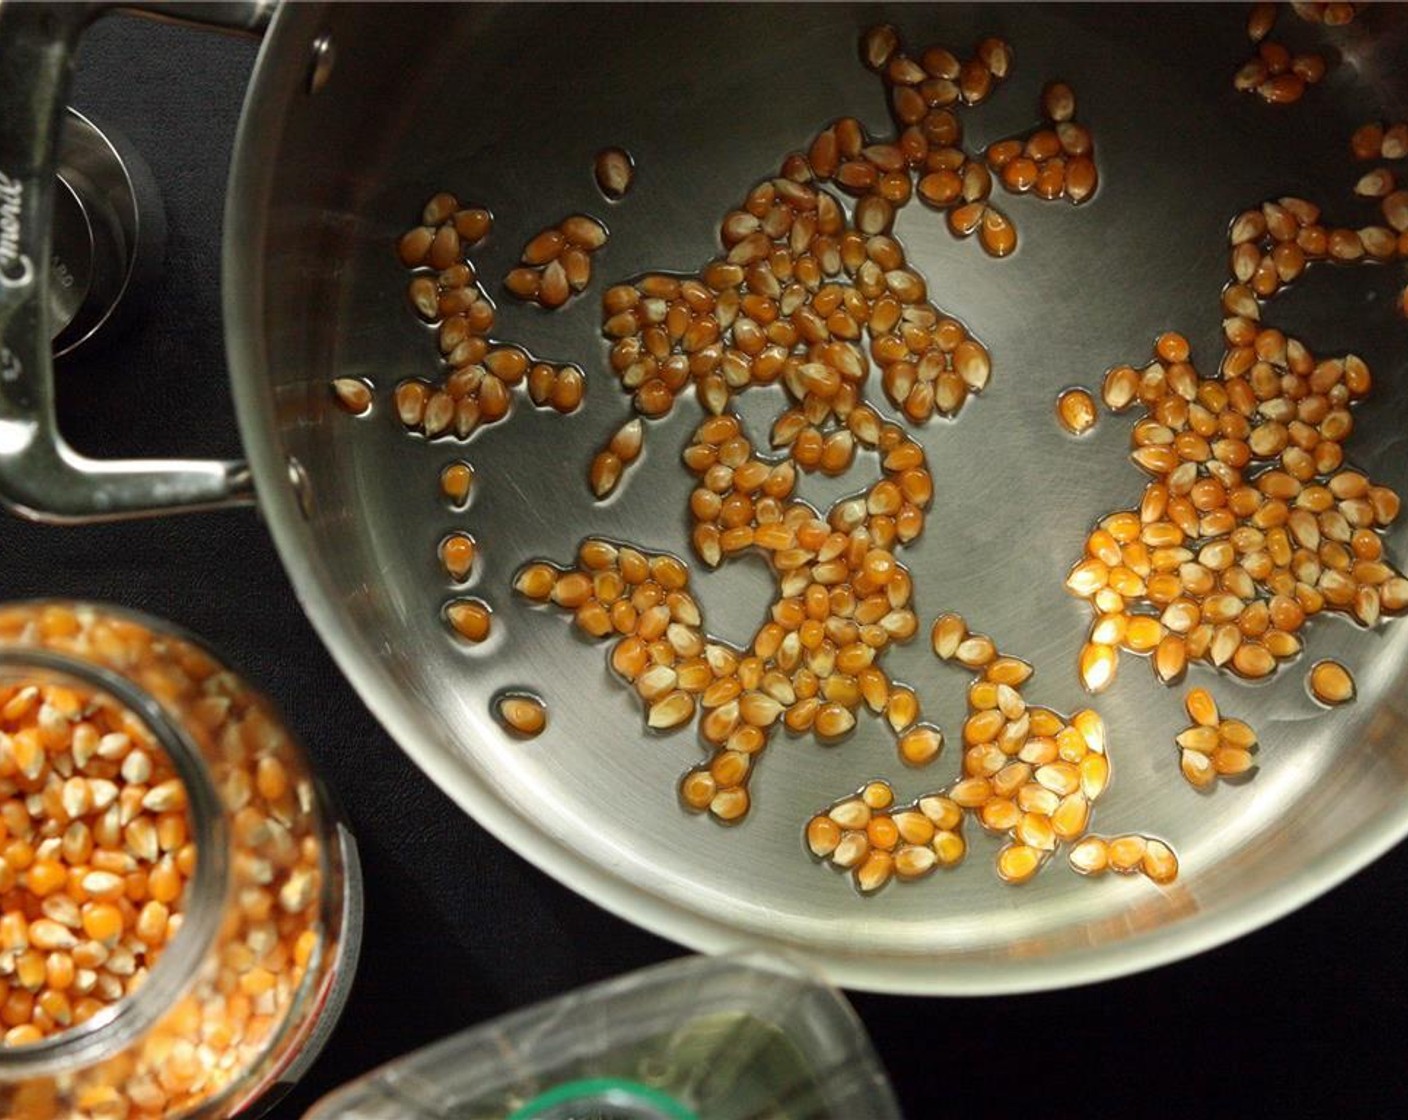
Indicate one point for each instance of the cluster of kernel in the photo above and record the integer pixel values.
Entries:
(842, 595)
(742, 500)
(557, 262)
(1273, 245)
(642, 600)
(1053, 160)
(1278, 76)
(799, 285)
(842, 598)
(1094, 855)
(788, 304)
(1273, 72)
(1213, 747)
(478, 374)
(1375, 141)
(875, 840)
(1252, 523)
(1029, 774)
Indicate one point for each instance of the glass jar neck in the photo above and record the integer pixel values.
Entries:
(206, 892)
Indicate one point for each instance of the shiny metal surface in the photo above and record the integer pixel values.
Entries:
(70, 261)
(41, 476)
(506, 107)
(125, 227)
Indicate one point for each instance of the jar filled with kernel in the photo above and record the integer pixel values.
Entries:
(179, 901)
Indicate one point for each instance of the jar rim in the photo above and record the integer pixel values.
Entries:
(136, 1013)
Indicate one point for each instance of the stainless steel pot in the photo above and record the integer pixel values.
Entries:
(357, 113)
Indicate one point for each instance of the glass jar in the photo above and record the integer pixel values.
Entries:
(172, 863)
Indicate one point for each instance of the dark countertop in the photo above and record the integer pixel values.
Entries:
(1309, 1014)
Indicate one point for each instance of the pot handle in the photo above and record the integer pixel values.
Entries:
(41, 476)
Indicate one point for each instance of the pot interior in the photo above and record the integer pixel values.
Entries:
(506, 107)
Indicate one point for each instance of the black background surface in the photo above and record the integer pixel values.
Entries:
(1309, 1015)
